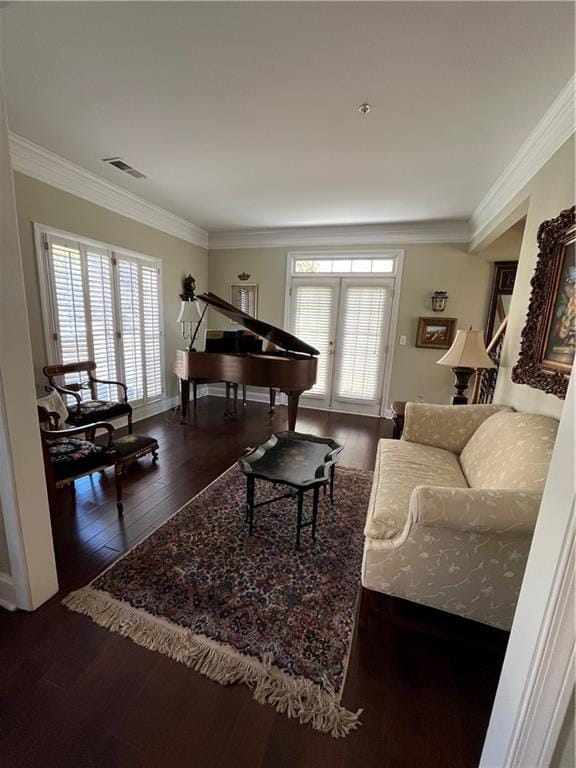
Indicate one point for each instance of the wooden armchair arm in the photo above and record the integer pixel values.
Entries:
(54, 434)
(65, 391)
(117, 383)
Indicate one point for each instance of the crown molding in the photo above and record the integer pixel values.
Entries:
(555, 127)
(441, 231)
(552, 131)
(39, 163)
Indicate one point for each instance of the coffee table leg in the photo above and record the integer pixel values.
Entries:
(332, 473)
(315, 511)
(250, 502)
(299, 521)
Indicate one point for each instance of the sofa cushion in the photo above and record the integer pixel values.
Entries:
(445, 426)
(401, 467)
(510, 451)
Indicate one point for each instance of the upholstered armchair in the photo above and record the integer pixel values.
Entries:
(84, 412)
(68, 456)
(453, 508)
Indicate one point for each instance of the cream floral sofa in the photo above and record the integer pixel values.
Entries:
(453, 508)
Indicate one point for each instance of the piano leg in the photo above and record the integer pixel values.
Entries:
(195, 393)
(272, 399)
(244, 395)
(227, 408)
(293, 398)
(184, 399)
(231, 389)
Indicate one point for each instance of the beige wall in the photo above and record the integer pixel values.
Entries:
(549, 192)
(507, 246)
(426, 268)
(40, 203)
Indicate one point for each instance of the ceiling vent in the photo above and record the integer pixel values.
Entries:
(122, 165)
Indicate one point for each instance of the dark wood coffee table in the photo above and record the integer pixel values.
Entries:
(301, 462)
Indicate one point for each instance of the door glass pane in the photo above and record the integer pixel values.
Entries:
(362, 265)
(313, 308)
(383, 265)
(359, 360)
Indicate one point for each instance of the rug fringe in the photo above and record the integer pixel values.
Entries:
(299, 698)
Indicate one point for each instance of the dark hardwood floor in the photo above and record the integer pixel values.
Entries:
(73, 694)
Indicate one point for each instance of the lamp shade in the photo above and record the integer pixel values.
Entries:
(189, 312)
(467, 351)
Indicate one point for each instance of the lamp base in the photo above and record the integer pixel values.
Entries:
(461, 379)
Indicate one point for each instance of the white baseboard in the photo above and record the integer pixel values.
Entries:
(7, 593)
(152, 409)
(261, 396)
(141, 412)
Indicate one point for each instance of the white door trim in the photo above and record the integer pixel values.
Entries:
(15, 588)
(538, 672)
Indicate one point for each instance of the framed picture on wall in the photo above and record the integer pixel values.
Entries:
(549, 336)
(436, 332)
(245, 297)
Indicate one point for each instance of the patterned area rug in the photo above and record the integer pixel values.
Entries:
(242, 608)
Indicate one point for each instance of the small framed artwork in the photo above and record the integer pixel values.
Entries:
(244, 296)
(435, 332)
(548, 342)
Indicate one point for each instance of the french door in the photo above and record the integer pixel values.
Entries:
(347, 319)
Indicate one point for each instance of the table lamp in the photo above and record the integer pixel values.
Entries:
(466, 354)
(189, 319)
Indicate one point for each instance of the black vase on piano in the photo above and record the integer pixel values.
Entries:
(236, 357)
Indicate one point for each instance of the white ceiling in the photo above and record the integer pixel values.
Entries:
(244, 115)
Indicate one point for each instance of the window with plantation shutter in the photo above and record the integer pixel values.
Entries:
(131, 327)
(102, 335)
(103, 304)
(364, 310)
(152, 331)
(68, 293)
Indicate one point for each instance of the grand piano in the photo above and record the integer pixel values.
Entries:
(287, 364)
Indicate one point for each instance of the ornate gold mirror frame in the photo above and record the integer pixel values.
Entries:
(549, 335)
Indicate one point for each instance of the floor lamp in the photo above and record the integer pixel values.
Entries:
(466, 354)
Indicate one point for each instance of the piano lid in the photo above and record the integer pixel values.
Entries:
(277, 336)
